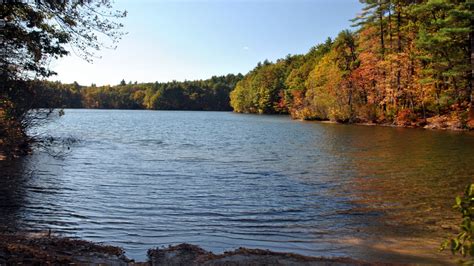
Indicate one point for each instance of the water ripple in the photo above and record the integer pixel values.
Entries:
(144, 179)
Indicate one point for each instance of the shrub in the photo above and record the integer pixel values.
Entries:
(463, 243)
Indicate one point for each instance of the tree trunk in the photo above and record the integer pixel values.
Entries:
(390, 27)
(382, 43)
(399, 50)
(470, 121)
(399, 23)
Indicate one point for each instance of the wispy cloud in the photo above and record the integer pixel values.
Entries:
(245, 48)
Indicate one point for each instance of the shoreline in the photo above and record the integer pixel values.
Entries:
(444, 125)
(431, 127)
(45, 248)
(438, 122)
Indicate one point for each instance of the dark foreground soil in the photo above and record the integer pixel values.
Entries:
(186, 254)
(45, 249)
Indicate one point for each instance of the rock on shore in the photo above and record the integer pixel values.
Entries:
(42, 249)
(186, 254)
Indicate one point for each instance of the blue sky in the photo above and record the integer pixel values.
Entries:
(196, 39)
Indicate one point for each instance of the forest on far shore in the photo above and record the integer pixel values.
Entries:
(406, 63)
(208, 95)
(409, 63)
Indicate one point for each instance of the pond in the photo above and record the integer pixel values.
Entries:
(141, 179)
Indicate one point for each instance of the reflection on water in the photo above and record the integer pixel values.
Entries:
(140, 179)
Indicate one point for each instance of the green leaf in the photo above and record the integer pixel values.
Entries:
(454, 245)
(458, 200)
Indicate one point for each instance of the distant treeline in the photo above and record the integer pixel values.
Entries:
(407, 61)
(210, 94)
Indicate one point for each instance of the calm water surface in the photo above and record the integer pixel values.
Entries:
(140, 179)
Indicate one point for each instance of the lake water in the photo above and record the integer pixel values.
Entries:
(141, 179)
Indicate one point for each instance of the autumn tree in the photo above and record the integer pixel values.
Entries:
(408, 62)
(32, 34)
